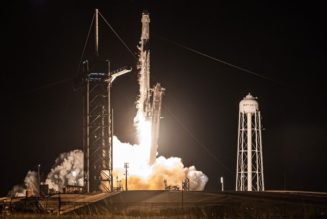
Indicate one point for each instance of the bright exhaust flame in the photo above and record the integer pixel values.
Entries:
(144, 132)
(143, 128)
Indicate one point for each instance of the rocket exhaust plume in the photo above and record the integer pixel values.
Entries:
(148, 106)
(142, 119)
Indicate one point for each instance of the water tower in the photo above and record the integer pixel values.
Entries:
(249, 173)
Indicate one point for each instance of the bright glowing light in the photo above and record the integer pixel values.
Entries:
(143, 127)
(142, 175)
(145, 133)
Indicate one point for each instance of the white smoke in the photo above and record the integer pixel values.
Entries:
(142, 176)
(68, 170)
(17, 191)
(30, 188)
(32, 183)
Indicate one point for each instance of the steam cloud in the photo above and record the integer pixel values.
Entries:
(30, 187)
(144, 176)
(68, 170)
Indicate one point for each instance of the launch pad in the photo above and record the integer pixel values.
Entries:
(159, 203)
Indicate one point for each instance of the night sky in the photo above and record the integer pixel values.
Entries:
(284, 42)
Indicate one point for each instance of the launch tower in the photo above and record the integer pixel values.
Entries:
(97, 128)
(249, 173)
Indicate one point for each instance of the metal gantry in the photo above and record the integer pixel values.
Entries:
(98, 121)
(97, 131)
(249, 173)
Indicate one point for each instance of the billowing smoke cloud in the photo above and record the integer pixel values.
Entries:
(30, 188)
(67, 170)
(141, 175)
(32, 183)
(17, 191)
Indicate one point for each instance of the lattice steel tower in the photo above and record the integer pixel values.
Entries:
(249, 173)
(97, 114)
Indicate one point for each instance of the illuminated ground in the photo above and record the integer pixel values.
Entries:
(199, 204)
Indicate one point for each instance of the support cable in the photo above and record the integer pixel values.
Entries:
(218, 60)
(85, 44)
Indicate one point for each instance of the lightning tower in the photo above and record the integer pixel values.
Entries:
(249, 173)
(97, 126)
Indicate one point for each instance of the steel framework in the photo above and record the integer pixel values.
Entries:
(97, 132)
(249, 173)
(98, 120)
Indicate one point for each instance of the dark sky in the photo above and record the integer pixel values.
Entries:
(41, 110)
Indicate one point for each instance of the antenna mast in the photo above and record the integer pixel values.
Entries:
(96, 31)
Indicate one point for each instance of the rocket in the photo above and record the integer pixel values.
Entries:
(144, 67)
(149, 103)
